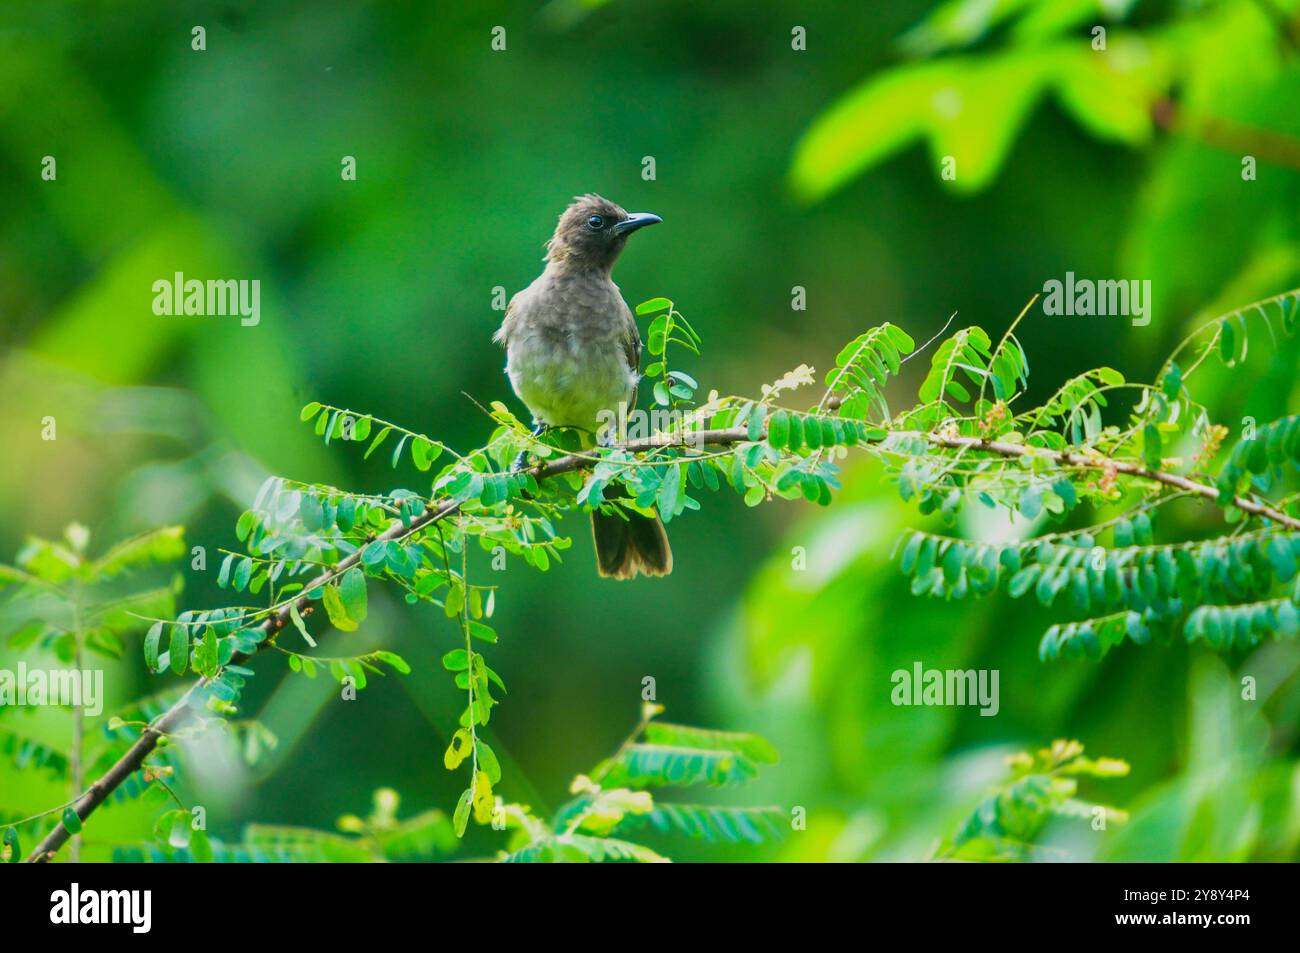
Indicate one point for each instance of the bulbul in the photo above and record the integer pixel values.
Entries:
(573, 352)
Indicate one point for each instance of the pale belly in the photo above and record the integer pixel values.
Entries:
(570, 386)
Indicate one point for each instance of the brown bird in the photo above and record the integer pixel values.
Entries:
(573, 354)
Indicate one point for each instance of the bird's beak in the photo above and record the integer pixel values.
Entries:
(636, 220)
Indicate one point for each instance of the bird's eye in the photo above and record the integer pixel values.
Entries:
(596, 222)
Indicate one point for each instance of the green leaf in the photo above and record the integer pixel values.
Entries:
(872, 121)
(352, 588)
(1227, 342)
(205, 654)
(301, 626)
(458, 750)
(778, 429)
(337, 612)
(179, 649)
(641, 765)
(1151, 446)
(156, 546)
(794, 439)
(487, 760)
(309, 411)
(379, 438)
(1282, 556)
(224, 575)
(744, 743)
(200, 846)
(712, 823)
(970, 108)
(243, 571)
(460, 820)
(1172, 382)
(653, 305)
(394, 661)
(754, 428)
(812, 433)
(424, 453)
(669, 489)
(331, 427)
(151, 640)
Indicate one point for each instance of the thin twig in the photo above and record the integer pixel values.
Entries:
(947, 324)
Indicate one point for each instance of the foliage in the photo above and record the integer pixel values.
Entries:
(380, 836)
(974, 71)
(172, 420)
(62, 600)
(1228, 591)
(610, 806)
(668, 327)
(312, 550)
(1228, 798)
(1009, 822)
(613, 803)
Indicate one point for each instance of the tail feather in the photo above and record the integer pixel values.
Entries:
(625, 547)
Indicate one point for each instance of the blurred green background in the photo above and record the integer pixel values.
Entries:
(377, 293)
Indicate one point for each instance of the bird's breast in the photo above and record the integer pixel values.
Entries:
(567, 379)
(565, 351)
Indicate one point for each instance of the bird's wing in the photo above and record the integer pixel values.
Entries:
(631, 341)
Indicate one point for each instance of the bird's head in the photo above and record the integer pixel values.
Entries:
(592, 231)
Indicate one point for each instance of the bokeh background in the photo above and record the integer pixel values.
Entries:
(377, 293)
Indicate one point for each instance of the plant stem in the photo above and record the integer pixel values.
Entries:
(78, 719)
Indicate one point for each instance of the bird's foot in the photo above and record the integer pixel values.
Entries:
(521, 461)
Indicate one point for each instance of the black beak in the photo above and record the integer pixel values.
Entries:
(634, 221)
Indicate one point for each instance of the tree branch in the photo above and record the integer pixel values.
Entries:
(1068, 459)
(134, 758)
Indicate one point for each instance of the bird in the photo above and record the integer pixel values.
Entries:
(573, 356)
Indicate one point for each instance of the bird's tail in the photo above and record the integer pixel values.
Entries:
(629, 545)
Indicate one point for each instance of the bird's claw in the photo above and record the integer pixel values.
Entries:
(521, 461)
